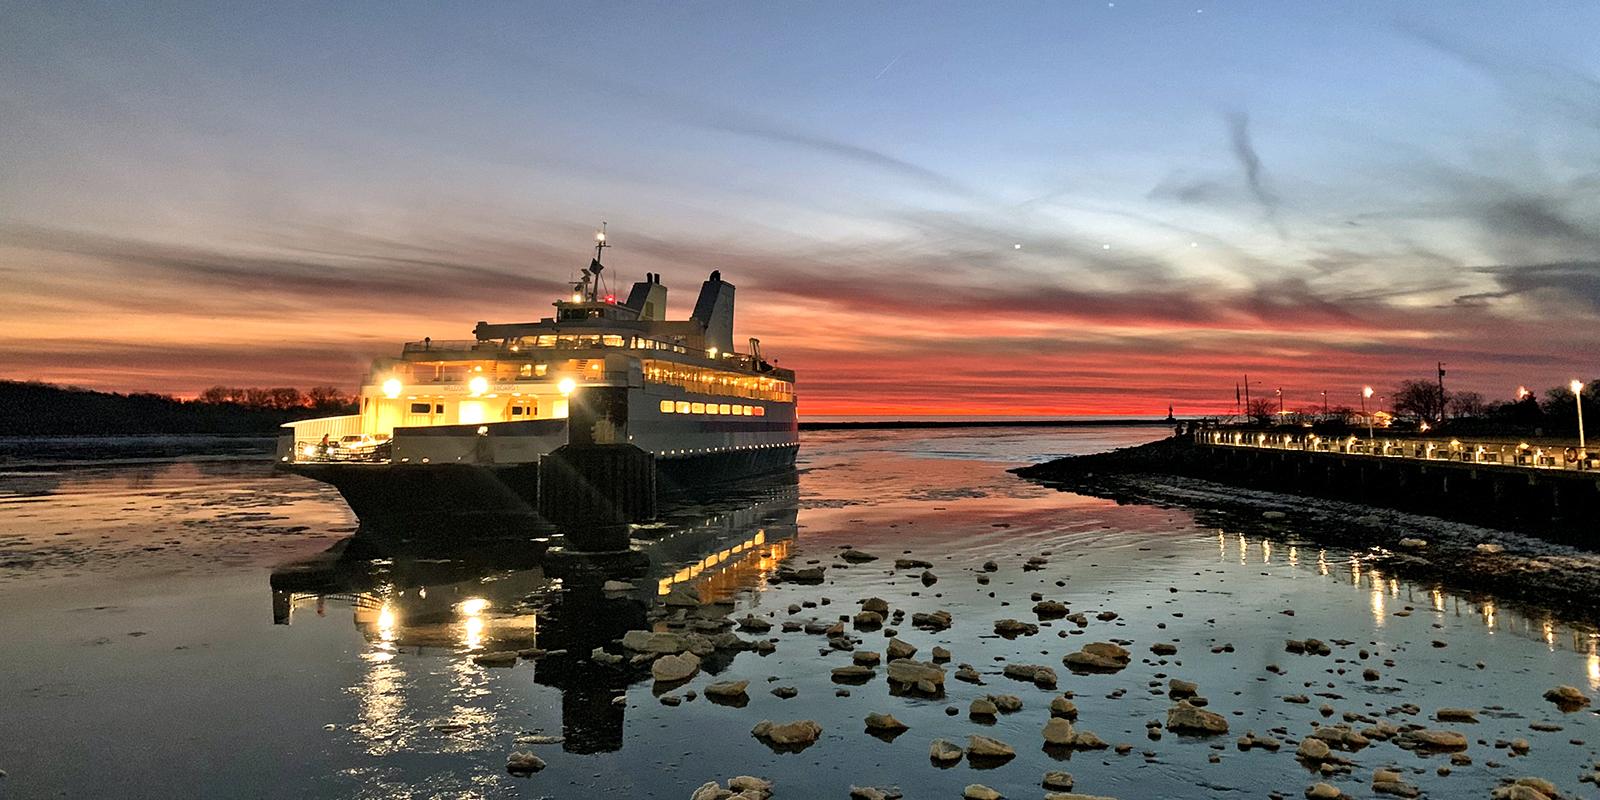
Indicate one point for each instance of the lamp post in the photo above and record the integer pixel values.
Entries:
(1577, 392)
(1366, 392)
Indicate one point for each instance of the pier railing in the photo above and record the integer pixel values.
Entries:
(1529, 455)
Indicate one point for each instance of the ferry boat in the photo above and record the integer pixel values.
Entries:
(585, 415)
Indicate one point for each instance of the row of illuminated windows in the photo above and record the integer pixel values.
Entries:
(596, 340)
(729, 409)
(706, 381)
(517, 408)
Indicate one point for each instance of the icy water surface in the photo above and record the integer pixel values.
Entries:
(214, 630)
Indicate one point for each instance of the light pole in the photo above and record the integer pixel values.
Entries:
(1441, 393)
(1366, 392)
(1577, 392)
(1247, 383)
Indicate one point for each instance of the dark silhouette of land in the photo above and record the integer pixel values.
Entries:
(41, 409)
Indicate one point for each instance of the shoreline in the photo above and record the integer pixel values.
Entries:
(1515, 566)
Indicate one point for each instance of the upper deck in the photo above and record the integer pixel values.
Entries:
(568, 345)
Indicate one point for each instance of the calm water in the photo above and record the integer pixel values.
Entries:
(210, 629)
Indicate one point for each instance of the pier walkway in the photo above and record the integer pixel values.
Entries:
(1525, 483)
(1519, 454)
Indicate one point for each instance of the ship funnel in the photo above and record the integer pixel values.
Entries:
(649, 298)
(714, 312)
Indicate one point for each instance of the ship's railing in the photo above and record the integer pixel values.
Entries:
(335, 428)
(532, 343)
(306, 451)
(1528, 455)
(450, 346)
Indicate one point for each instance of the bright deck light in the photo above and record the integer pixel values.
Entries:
(566, 386)
(391, 388)
(478, 385)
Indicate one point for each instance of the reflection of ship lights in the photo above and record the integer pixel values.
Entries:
(1594, 671)
(386, 623)
(1550, 634)
(1294, 556)
(734, 566)
(1488, 616)
(1438, 600)
(472, 626)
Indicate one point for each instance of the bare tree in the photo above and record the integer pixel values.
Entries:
(217, 394)
(326, 397)
(1466, 404)
(1262, 409)
(285, 397)
(1417, 399)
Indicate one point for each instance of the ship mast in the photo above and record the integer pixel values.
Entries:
(600, 245)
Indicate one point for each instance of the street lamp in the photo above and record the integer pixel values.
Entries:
(1366, 392)
(1577, 392)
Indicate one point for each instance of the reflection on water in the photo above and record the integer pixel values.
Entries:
(362, 682)
(468, 596)
(1388, 596)
(489, 596)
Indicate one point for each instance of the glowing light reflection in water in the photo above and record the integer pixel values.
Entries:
(1381, 589)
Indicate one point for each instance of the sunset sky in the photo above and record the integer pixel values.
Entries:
(989, 208)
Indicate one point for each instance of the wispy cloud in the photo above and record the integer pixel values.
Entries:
(1244, 151)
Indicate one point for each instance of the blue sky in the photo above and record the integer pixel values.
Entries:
(1338, 193)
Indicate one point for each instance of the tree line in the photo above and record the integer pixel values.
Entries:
(1554, 413)
(282, 398)
(40, 409)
